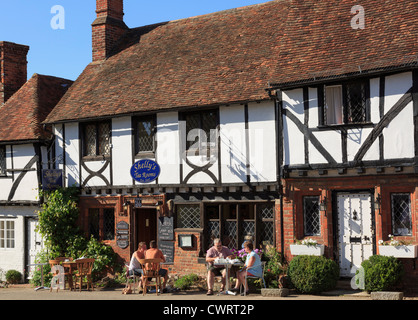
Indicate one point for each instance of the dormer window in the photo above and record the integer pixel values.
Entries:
(96, 139)
(346, 103)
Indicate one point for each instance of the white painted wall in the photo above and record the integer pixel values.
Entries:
(398, 136)
(121, 151)
(168, 149)
(14, 258)
(233, 145)
(262, 141)
(72, 151)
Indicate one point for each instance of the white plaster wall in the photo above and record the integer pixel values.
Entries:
(331, 141)
(233, 145)
(399, 134)
(294, 151)
(262, 141)
(28, 187)
(72, 155)
(14, 258)
(122, 151)
(374, 100)
(95, 166)
(168, 149)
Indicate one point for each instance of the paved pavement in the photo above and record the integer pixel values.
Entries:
(26, 292)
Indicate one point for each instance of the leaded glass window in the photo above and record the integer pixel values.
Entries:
(109, 224)
(188, 216)
(96, 139)
(94, 219)
(201, 132)
(311, 216)
(346, 103)
(145, 133)
(401, 214)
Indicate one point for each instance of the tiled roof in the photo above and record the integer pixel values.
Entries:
(232, 56)
(22, 115)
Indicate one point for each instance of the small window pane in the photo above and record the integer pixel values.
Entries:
(104, 138)
(188, 216)
(312, 221)
(401, 214)
(90, 137)
(145, 135)
(94, 223)
(356, 102)
(109, 224)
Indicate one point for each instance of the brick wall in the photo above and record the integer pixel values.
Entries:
(108, 27)
(13, 68)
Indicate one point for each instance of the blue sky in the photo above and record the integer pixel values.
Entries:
(65, 52)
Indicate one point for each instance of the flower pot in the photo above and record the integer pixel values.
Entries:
(399, 251)
(301, 249)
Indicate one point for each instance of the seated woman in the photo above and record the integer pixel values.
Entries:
(252, 267)
(135, 267)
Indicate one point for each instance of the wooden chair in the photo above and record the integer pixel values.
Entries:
(263, 265)
(84, 267)
(151, 269)
(129, 277)
(57, 276)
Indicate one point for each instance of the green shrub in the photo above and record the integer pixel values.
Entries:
(313, 274)
(382, 273)
(185, 282)
(13, 276)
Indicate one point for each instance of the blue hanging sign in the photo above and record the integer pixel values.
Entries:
(145, 171)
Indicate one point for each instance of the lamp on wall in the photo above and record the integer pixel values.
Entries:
(378, 203)
(126, 206)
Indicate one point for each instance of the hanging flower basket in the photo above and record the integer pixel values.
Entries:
(307, 247)
(402, 251)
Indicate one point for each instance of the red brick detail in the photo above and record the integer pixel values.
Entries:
(108, 27)
(13, 68)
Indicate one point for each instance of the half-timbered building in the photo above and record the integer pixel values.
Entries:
(284, 120)
(24, 152)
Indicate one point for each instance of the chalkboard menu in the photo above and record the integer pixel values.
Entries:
(166, 228)
(167, 247)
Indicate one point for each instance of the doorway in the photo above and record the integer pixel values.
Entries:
(146, 226)
(355, 230)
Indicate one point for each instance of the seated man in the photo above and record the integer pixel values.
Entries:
(154, 253)
(135, 267)
(221, 252)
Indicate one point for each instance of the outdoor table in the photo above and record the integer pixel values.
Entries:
(228, 263)
(42, 274)
(72, 266)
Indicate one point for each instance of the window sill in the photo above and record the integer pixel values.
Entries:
(346, 126)
(143, 155)
(96, 158)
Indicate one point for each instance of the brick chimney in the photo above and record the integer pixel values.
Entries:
(13, 68)
(107, 28)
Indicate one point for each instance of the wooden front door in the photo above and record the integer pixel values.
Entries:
(355, 231)
(146, 226)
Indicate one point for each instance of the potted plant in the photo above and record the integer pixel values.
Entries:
(397, 248)
(275, 274)
(307, 247)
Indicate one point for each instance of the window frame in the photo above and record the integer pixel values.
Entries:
(392, 215)
(101, 232)
(4, 231)
(204, 148)
(135, 123)
(305, 220)
(84, 139)
(345, 101)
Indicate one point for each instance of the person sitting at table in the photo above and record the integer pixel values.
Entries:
(154, 253)
(221, 252)
(135, 267)
(252, 267)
